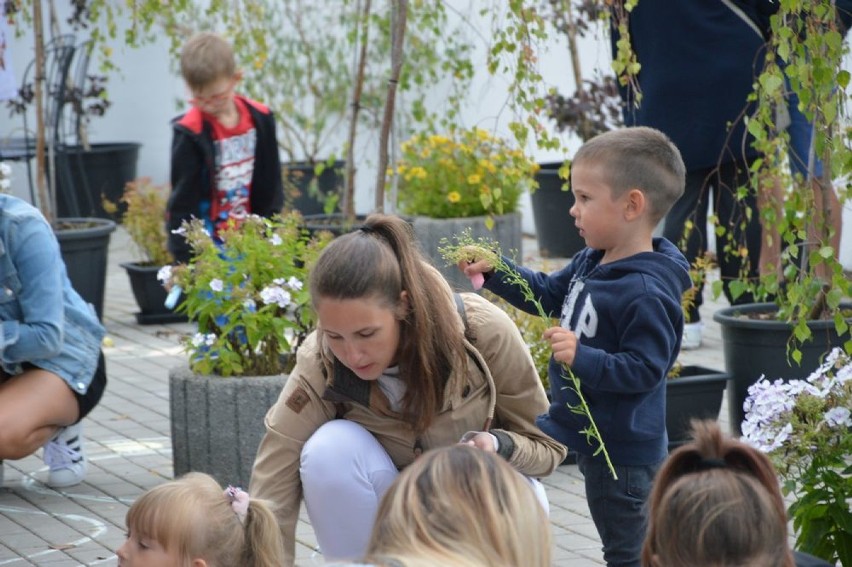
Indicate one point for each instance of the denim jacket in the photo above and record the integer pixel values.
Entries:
(43, 321)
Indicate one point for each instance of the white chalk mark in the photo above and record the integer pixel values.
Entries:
(97, 529)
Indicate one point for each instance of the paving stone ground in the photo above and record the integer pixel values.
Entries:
(129, 448)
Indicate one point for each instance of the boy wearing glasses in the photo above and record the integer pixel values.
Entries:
(225, 164)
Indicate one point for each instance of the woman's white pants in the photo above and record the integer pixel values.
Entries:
(345, 472)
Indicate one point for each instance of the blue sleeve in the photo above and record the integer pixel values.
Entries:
(550, 289)
(38, 333)
(647, 347)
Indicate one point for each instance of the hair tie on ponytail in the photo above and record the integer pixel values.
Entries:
(707, 464)
(366, 229)
(239, 500)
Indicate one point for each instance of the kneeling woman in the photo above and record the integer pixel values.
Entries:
(51, 367)
(395, 367)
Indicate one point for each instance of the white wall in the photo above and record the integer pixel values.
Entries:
(145, 95)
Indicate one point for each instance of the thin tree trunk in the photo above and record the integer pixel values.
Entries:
(349, 187)
(45, 200)
(398, 29)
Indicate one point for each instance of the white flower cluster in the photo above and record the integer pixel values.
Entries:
(276, 293)
(770, 405)
(164, 274)
(5, 177)
(201, 339)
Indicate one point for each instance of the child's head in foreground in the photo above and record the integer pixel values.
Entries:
(461, 506)
(209, 69)
(193, 522)
(634, 158)
(716, 503)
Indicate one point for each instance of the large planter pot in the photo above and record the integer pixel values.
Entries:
(84, 244)
(335, 223)
(217, 422)
(150, 295)
(758, 347)
(431, 232)
(86, 177)
(554, 227)
(696, 394)
(307, 193)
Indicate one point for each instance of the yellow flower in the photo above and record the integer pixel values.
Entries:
(487, 165)
(474, 179)
(418, 172)
(453, 197)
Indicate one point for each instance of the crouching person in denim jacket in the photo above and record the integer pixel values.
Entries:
(52, 370)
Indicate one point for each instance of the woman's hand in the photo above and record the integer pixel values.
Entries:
(481, 440)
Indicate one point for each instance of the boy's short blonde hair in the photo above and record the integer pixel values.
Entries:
(638, 158)
(206, 58)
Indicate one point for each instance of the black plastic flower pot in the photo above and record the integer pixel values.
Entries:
(759, 347)
(554, 227)
(84, 244)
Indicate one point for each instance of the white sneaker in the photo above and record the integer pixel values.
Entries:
(691, 336)
(64, 455)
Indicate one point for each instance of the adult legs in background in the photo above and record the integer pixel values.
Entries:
(345, 472)
(717, 187)
(827, 211)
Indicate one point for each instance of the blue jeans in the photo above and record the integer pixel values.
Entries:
(801, 133)
(618, 507)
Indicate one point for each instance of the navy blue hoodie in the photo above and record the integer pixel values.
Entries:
(628, 319)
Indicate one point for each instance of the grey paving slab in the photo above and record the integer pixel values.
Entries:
(129, 446)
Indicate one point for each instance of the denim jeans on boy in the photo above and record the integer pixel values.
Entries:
(618, 507)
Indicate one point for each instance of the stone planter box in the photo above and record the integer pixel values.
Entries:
(217, 422)
(430, 232)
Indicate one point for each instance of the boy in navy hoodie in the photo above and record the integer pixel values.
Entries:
(621, 321)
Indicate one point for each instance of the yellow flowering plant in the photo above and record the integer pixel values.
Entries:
(465, 173)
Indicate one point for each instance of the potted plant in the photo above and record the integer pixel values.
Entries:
(692, 392)
(803, 308)
(249, 298)
(145, 210)
(805, 427)
(466, 179)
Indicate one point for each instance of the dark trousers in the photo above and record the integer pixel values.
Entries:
(618, 507)
(739, 216)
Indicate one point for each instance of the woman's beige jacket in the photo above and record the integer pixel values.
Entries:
(500, 374)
